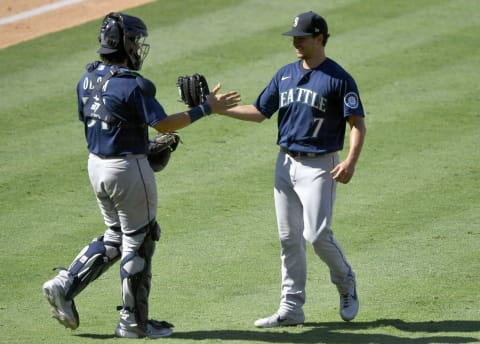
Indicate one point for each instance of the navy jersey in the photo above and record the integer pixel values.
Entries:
(130, 99)
(312, 105)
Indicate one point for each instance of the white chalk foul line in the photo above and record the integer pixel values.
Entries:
(38, 10)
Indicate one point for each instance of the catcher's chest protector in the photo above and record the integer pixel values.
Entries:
(95, 108)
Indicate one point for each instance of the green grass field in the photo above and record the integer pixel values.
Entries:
(409, 221)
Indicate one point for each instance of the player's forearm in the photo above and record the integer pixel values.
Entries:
(245, 113)
(173, 122)
(357, 138)
(182, 119)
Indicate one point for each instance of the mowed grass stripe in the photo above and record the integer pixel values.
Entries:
(43, 164)
(54, 73)
(47, 160)
(246, 19)
(428, 148)
(409, 29)
(29, 118)
(197, 29)
(372, 67)
(44, 150)
(428, 94)
(408, 220)
(27, 77)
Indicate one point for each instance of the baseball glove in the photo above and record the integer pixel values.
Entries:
(160, 147)
(193, 89)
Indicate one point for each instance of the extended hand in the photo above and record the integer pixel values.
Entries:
(221, 102)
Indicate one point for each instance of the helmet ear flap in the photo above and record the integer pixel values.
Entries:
(111, 32)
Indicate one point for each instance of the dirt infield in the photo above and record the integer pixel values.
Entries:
(26, 24)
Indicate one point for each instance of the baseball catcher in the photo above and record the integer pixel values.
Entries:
(117, 106)
(193, 89)
(160, 147)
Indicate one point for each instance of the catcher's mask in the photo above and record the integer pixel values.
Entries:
(124, 33)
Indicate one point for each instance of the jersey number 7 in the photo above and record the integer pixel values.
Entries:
(317, 122)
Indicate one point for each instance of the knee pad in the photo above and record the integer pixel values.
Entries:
(151, 229)
(92, 261)
(136, 275)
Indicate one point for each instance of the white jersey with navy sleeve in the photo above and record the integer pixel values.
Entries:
(312, 105)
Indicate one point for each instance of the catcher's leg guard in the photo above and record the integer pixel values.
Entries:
(136, 274)
(90, 263)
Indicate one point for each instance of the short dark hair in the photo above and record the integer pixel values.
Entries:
(325, 37)
(117, 57)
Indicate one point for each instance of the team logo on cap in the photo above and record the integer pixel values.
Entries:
(295, 22)
(351, 100)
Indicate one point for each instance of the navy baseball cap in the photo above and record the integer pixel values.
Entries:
(308, 24)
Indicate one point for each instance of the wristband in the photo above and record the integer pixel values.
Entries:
(199, 111)
(206, 108)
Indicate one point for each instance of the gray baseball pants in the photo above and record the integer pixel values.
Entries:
(304, 195)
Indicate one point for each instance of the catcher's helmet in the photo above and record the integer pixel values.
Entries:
(124, 33)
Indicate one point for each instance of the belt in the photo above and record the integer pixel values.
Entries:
(121, 156)
(300, 154)
(111, 156)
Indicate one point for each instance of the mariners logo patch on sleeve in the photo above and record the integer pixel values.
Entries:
(351, 100)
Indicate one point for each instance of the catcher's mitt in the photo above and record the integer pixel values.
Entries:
(160, 148)
(193, 89)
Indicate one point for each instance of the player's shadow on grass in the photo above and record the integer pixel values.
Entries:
(344, 333)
